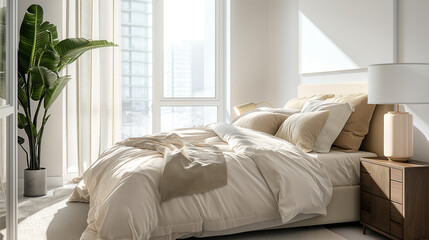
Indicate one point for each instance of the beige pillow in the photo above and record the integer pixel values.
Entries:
(266, 122)
(298, 103)
(302, 129)
(357, 126)
(283, 111)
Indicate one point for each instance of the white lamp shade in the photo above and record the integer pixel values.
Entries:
(398, 83)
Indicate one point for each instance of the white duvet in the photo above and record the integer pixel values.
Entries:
(268, 178)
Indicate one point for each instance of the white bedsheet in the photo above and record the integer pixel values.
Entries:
(342, 167)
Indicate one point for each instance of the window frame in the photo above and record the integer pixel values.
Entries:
(9, 112)
(158, 99)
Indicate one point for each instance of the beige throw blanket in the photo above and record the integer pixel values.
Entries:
(190, 167)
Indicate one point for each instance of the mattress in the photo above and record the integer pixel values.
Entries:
(342, 167)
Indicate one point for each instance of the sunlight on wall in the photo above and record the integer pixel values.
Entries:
(318, 52)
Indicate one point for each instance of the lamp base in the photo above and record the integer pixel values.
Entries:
(398, 136)
(399, 159)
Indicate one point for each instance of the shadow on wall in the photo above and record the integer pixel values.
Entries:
(421, 130)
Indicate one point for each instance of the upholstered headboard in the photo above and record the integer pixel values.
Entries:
(373, 142)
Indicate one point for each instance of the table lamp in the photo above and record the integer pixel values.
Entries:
(242, 108)
(398, 83)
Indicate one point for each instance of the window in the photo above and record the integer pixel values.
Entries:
(185, 89)
(136, 28)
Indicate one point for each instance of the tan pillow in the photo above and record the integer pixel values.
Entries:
(298, 103)
(357, 126)
(302, 129)
(283, 111)
(266, 122)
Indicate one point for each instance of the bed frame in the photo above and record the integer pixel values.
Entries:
(345, 202)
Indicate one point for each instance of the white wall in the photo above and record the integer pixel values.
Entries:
(413, 46)
(247, 51)
(282, 78)
(52, 145)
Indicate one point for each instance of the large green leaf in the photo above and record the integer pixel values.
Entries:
(53, 93)
(71, 49)
(34, 34)
(41, 79)
(22, 121)
(22, 95)
(32, 128)
(21, 140)
(49, 58)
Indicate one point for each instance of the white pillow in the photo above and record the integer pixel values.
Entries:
(339, 114)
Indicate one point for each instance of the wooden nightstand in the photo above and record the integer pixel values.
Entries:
(395, 198)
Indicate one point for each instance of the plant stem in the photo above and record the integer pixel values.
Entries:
(30, 134)
(39, 138)
(36, 115)
(26, 153)
(28, 95)
(31, 139)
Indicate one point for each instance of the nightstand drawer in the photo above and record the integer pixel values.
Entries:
(380, 213)
(396, 212)
(365, 182)
(377, 180)
(375, 211)
(366, 201)
(396, 174)
(365, 167)
(396, 191)
(396, 229)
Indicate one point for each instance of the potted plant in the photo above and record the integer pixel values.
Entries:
(41, 57)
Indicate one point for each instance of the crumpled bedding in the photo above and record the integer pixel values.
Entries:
(268, 178)
(191, 167)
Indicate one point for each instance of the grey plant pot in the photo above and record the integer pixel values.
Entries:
(35, 183)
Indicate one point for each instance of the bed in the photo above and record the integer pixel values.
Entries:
(114, 196)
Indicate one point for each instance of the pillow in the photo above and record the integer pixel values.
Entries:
(357, 126)
(298, 103)
(302, 129)
(266, 122)
(339, 114)
(283, 111)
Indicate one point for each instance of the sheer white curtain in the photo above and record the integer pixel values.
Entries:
(93, 96)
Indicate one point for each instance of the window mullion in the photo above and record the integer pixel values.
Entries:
(158, 62)
(189, 103)
(220, 57)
